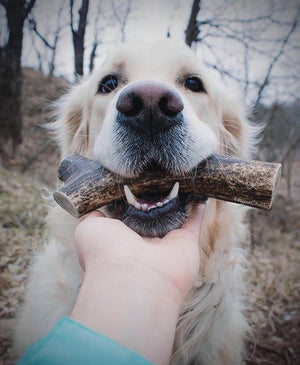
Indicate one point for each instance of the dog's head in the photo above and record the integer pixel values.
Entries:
(152, 106)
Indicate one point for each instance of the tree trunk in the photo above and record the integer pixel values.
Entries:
(11, 77)
(79, 53)
(11, 82)
(78, 36)
(192, 31)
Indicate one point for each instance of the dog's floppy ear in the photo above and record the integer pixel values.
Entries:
(235, 129)
(72, 113)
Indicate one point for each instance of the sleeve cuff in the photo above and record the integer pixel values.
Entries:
(70, 342)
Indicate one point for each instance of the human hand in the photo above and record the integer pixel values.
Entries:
(109, 244)
(134, 287)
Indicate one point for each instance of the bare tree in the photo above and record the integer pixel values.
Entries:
(51, 45)
(266, 35)
(275, 59)
(96, 41)
(121, 14)
(248, 35)
(10, 72)
(78, 35)
(103, 19)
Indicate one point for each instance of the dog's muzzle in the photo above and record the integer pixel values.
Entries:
(151, 134)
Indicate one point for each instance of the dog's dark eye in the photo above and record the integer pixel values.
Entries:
(194, 84)
(108, 84)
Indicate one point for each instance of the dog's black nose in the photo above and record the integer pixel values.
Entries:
(149, 107)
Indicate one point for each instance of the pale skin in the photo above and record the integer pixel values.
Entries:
(134, 287)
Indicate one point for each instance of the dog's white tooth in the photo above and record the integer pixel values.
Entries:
(159, 204)
(174, 191)
(131, 199)
(137, 206)
(144, 207)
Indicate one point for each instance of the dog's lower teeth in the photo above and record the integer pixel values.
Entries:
(133, 200)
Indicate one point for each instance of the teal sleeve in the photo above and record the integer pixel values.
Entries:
(69, 342)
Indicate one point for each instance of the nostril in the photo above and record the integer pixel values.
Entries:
(137, 106)
(130, 105)
(170, 105)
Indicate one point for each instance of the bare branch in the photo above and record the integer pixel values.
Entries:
(96, 41)
(275, 59)
(50, 45)
(71, 15)
(224, 72)
(39, 57)
(33, 26)
(59, 27)
(122, 20)
(93, 56)
(246, 67)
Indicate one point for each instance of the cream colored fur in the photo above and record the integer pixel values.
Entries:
(211, 327)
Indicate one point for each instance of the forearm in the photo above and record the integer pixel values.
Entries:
(135, 307)
(134, 287)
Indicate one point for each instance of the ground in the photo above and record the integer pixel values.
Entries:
(272, 275)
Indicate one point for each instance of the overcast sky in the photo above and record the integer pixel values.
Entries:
(150, 21)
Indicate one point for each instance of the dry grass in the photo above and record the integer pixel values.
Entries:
(274, 285)
(38, 155)
(22, 213)
(273, 275)
(22, 208)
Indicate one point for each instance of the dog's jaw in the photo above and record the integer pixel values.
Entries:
(156, 222)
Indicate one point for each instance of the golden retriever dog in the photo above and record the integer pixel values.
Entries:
(152, 106)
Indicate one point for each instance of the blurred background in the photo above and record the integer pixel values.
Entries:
(252, 46)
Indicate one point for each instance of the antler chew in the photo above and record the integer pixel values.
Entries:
(89, 186)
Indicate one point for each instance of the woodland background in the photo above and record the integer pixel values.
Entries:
(252, 46)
